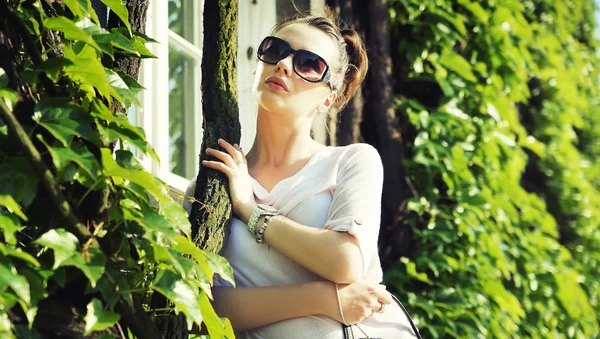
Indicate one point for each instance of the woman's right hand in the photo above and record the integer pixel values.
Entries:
(360, 300)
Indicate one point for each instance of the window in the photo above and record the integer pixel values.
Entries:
(171, 112)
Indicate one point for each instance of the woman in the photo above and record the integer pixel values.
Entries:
(303, 241)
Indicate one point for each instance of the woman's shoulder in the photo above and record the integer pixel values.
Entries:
(358, 153)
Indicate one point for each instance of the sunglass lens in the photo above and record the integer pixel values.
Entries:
(309, 65)
(272, 50)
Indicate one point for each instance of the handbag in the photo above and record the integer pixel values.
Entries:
(349, 331)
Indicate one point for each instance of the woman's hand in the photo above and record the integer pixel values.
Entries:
(234, 165)
(361, 300)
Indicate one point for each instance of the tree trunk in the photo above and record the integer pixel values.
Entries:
(371, 117)
(212, 208)
(345, 128)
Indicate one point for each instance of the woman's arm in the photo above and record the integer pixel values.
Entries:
(332, 255)
(251, 307)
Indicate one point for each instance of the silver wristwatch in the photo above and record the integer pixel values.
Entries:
(259, 211)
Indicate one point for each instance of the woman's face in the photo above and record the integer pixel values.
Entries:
(302, 98)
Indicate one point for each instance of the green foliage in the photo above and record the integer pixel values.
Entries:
(145, 235)
(503, 135)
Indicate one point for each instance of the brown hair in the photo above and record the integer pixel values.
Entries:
(353, 56)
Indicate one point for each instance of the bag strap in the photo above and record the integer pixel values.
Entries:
(349, 334)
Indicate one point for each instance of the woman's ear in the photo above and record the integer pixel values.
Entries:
(330, 99)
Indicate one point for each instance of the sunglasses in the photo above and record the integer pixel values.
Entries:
(308, 65)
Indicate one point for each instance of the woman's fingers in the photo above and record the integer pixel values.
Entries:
(224, 157)
(218, 166)
(235, 153)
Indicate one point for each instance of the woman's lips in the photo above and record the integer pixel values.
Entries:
(276, 86)
(276, 83)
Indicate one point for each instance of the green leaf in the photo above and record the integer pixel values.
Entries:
(457, 63)
(87, 69)
(10, 278)
(92, 264)
(97, 319)
(184, 296)
(3, 78)
(18, 253)
(186, 246)
(82, 8)
(63, 243)
(118, 126)
(220, 266)
(138, 45)
(65, 120)
(118, 7)
(70, 29)
(9, 224)
(10, 203)
(54, 66)
(78, 154)
(177, 216)
(216, 327)
(117, 40)
(120, 90)
(19, 180)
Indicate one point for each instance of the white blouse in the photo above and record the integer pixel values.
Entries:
(339, 189)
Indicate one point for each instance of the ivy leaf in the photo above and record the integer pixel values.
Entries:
(65, 120)
(186, 246)
(9, 224)
(70, 30)
(18, 253)
(216, 328)
(120, 90)
(82, 8)
(10, 278)
(97, 319)
(54, 66)
(10, 203)
(78, 154)
(92, 264)
(118, 126)
(63, 243)
(148, 218)
(457, 63)
(177, 216)
(184, 296)
(220, 266)
(118, 7)
(87, 69)
(117, 40)
(19, 180)
(138, 45)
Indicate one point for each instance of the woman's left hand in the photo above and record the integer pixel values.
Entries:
(234, 165)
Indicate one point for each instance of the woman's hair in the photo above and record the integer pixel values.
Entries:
(353, 56)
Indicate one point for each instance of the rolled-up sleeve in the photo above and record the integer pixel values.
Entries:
(356, 204)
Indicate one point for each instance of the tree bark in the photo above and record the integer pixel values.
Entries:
(212, 209)
(345, 128)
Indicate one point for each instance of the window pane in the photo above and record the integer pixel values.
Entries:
(285, 8)
(181, 111)
(182, 18)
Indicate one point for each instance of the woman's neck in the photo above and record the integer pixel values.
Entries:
(281, 140)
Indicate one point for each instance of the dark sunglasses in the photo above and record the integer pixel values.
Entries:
(308, 65)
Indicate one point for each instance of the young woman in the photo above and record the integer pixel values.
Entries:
(303, 243)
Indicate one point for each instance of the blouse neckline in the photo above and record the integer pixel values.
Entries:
(257, 186)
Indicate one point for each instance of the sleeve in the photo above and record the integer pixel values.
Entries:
(356, 204)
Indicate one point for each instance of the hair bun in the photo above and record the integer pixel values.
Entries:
(357, 62)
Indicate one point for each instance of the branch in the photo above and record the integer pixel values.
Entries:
(140, 323)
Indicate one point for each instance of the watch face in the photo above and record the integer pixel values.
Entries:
(268, 208)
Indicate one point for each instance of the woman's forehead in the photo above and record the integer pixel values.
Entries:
(303, 36)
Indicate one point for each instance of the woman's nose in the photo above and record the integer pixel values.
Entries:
(285, 65)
